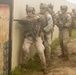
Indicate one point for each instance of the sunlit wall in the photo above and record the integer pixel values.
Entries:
(18, 31)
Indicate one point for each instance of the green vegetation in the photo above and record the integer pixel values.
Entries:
(34, 65)
(73, 35)
(54, 45)
(17, 71)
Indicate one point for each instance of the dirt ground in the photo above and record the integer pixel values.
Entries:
(60, 67)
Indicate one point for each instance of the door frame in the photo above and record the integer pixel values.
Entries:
(10, 4)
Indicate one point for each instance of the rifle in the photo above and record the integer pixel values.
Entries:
(60, 21)
(32, 30)
(30, 25)
(22, 22)
(17, 20)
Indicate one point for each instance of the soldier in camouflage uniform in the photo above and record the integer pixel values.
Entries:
(73, 14)
(52, 13)
(47, 31)
(30, 39)
(64, 22)
(73, 24)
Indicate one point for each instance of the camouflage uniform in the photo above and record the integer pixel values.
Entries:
(47, 28)
(50, 10)
(73, 24)
(73, 14)
(52, 13)
(64, 22)
(29, 40)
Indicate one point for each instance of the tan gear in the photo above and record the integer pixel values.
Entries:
(64, 7)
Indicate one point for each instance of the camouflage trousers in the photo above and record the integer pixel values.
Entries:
(70, 31)
(39, 49)
(47, 44)
(63, 40)
(74, 24)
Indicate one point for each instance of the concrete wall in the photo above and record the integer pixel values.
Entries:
(18, 31)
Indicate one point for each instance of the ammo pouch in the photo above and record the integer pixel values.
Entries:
(27, 34)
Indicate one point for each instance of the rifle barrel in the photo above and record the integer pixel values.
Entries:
(16, 20)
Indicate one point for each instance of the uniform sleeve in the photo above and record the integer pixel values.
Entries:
(69, 21)
(57, 21)
(49, 23)
(23, 21)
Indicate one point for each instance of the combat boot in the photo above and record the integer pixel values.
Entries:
(61, 56)
(46, 70)
(65, 58)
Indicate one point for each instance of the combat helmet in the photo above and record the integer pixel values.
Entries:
(43, 5)
(64, 7)
(50, 6)
(30, 9)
